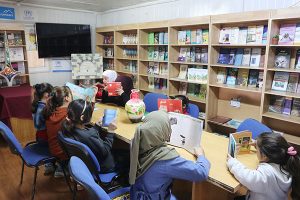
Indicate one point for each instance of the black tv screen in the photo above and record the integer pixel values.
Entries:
(61, 40)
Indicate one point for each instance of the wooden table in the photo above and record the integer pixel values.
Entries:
(221, 184)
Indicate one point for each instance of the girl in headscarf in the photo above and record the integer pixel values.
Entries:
(154, 165)
(124, 92)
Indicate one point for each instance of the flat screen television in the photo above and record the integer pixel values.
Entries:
(61, 40)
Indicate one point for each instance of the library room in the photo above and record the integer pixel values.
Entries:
(150, 100)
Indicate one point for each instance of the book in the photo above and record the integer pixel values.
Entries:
(151, 38)
(161, 53)
(255, 57)
(170, 105)
(188, 55)
(80, 92)
(108, 117)
(242, 79)
(282, 58)
(280, 81)
(251, 35)
(221, 76)
(182, 54)
(161, 38)
(232, 53)
(234, 35)
(231, 76)
(293, 82)
(260, 79)
(186, 131)
(287, 106)
(243, 35)
(296, 107)
(253, 78)
(265, 35)
(276, 104)
(197, 54)
(188, 37)
(204, 55)
(224, 35)
(234, 123)
(287, 33)
(246, 57)
(297, 63)
(193, 54)
(220, 119)
(16, 54)
(150, 82)
(156, 68)
(183, 72)
(193, 36)
(183, 88)
(150, 69)
(239, 143)
(156, 38)
(297, 34)
(262, 58)
(224, 56)
(150, 53)
(204, 36)
(239, 57)
(199, 36)
(156, 53)
(198, 75)
(259, 34)
(181, 38)
(166, 38)
(163, 68)
(112, 87)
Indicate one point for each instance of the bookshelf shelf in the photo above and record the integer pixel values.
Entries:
(186, 81)
(283, 70)
(234, 66)
(124, 58)
(188, 63)
(196, 99)
(106, 45)
(287, 118)
(189, 45)
(159, 61)
(237, 87)
(285, 94)
(154, 90)
(126, 72)
(127, 45)
(16, 46)
(239, 45)
(150, 45)
(154, 75)
(285, 46)
(220, 124)
(107, 57)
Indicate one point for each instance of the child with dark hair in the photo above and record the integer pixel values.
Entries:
(277, 172)
(75, 126)
(41, 95)
(185, 102)
(55, 112)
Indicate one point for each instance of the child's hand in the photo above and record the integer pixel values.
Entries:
(112, 126)
(99, 123)
(120, 91)
(199, 151)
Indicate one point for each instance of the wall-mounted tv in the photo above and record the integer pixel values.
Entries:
(61, 40)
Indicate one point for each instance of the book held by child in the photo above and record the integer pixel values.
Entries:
(239, 143)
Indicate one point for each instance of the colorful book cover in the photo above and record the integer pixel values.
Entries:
(297, 63)
(239, 57)
(151, 38)
(181, 37)
(161, 38)
(188, 37)
(150, 82)
(80, 92)
(224, 56)
(166, 38)
(161, 54)
(234, 123)
(242, 79)
(296, 107)
(166, 53)
(265, 35)
(163, 67)
(183, 88)
(251, 35)
(243, 35)
(262, 58)
(255, 57)
(234, 35)
(276, 104)
(231, 76)
(205, 36)
(287, 106)
(182, 54)
(112, 87)
(204, 55)
(188, 54)
(239, 143)
(150, 53)
(253, 78)
(280, 81)
(259, 34)
(198, 75)
(282, 58)
(287, 33)
(156, 68)
(260, 79)
(232, 53)
(246, 57)
(156, 53)
(193, 54)
(221, 76)
(197, 54)
(109, 116)
(293, 82)
(225, 35)
(297, 34)
(156, 38)
(199, 36)
(150, 68)
(194, 36)
(170, 105)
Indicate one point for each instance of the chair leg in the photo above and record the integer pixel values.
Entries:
(21, 181)
(66, 178)
(34, 183)
(74, 191)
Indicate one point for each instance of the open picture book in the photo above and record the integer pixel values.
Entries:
(186, 131)
(80, 92)
(239, 143)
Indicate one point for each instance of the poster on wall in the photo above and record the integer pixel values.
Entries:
(30, 37)
(7, 13)
(59, 65)
(86, 66)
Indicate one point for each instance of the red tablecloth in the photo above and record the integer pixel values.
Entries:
(15, 102)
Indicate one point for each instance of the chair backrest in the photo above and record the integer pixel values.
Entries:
(193, 110)
(254, 126)
(76, 148)
(82, 175)
(150, 100)
(12, 141)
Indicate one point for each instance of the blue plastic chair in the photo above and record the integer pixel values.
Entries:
(254, 126)
(81, 174)
(193, 110)
(150, 100)
(76, 148)
(33, 154)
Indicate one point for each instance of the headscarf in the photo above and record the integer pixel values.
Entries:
(126, 82)
(148, 144)
(111, 74)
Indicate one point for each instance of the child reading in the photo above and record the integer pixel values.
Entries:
(185, 103)
(277, 172)
(154, 165)
(41, 95)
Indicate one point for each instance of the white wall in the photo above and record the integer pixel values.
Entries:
(170, 9)
(54, 15)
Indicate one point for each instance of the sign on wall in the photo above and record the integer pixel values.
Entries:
(7, 13)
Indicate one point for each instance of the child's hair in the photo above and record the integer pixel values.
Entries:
(279, 151)
(39, 91)
(79, 112)
(185, 100)
(56, 100)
